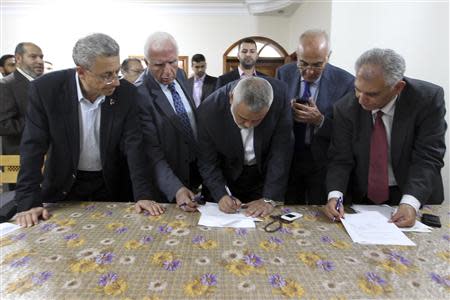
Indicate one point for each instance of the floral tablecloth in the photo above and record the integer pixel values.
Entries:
(99, 250)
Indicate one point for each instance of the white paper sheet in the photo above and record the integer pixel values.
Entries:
(371, 227)
(6, 228)
(211, 216)
(387, 211)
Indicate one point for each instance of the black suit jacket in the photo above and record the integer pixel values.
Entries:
(13, 104)
(209, 85)
(417, 144)
(231, 76)
(52, 129)
(167, 143)
(222, 152)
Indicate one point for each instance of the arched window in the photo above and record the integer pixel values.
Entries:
(271, 55)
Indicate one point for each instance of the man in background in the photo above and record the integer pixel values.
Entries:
(314, 85)
(14, 95)
(248, 56)
(7, 64)
(131, 69)
(201, 85)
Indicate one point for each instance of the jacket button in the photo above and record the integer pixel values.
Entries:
(64, 193)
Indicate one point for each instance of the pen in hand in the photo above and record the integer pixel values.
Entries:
(232, 198)
(338, 206)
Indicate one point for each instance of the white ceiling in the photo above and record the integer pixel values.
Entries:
(240, 7)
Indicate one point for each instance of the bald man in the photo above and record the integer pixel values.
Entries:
(314, 86)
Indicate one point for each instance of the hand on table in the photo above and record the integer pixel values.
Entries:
(31, 217)
(229, 204)
(405, 216)
(184, 198)
(154, 208)
(258, 208)
(330, 210)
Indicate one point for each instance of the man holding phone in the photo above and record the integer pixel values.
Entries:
(314, 86)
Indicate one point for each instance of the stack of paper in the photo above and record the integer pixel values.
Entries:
(388, 211)
(371, 227)
(212, 216)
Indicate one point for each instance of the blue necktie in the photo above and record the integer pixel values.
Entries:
(180, 110)
(306, 91)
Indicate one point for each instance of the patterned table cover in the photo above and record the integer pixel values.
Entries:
(106, 250)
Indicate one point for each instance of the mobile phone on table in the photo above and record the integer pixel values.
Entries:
(291, 216)
(431, 220)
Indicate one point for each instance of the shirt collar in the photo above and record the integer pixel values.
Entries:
(241, 72)
(200, 78)
(30, 78)
(316, 82)
(389, 108)
(80, 96)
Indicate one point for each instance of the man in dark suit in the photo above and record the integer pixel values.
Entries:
(169, 122)
(86, 123)
(7, 65)
(201, 85)
(14, 91)
(131, 69)
(248, 56)
(323, 85)
(246, 142)
(388, 140)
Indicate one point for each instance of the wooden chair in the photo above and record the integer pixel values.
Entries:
(10, 165)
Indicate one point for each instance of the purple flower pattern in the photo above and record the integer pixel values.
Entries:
(198, 239)
(275, 240)
(72, 236)
(146, 239)
(48, 226)
(241, 231)
(253, 260)
(107, 279)
(208, 279)
(277, 281)
(104, 258)
(121, 230)
(325, 265)
(41, 278)
(375, 279)
(20, 262)
(165, 229)
(172, 265)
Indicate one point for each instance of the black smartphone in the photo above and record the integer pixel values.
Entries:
(301, 101)
(431, 220)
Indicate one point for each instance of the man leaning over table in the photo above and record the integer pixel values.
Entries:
(388, 142)
(85, 121)
(246, 140)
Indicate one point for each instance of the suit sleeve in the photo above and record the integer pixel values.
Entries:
(340, 152)
(163, 174)
(280, 154)
(34, 146)
(208, 162)
(429, 148)
(139, 166)
(10, 121)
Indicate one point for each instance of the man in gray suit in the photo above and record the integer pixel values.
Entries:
(14, 92)
(169, 122)
(314, 86)
(246, 141)
(388, 140)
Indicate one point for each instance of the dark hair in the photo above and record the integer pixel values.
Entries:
(4, 58)
(126, 63)
(20, 48)
(246, 41)
(198, 58)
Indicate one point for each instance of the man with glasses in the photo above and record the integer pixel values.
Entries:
(131, 69)
(169, 122)
(85, 122)
(388, 141)
(314, 86)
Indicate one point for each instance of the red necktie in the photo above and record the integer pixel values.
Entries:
(378, 184)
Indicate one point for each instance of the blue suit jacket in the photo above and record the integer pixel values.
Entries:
(334, 84)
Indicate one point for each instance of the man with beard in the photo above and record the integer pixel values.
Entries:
(86, 122)
(7, 65)
(14, 91)
(247, 55)
(201, 85)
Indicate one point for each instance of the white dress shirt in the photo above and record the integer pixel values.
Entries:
(198, 89)
(388, 118)
(89, 118)
(25, 74)
(187, 106)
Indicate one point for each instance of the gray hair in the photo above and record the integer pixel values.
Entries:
(391, 63)
(314, 33)
(20, 48)
(255, 92)
(158, 41)
(88, 48)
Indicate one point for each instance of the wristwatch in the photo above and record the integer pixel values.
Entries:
(270, 201)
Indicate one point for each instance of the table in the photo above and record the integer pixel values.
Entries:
(99, 250)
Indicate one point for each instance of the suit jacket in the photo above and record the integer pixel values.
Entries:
(167, 143)
(222, 152)
(52, 129)
(13, 104)
(209, 85)
(231, 76)
(334, 84)
(417, 143)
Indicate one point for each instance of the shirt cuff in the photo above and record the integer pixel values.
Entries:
(411, 200)
(321, 122)
(335, 194)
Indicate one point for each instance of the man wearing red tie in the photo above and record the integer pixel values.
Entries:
(388, 142)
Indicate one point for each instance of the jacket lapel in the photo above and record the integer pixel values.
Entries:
(399, 127)
(69, 108)
(234, 134)
(106, 124)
